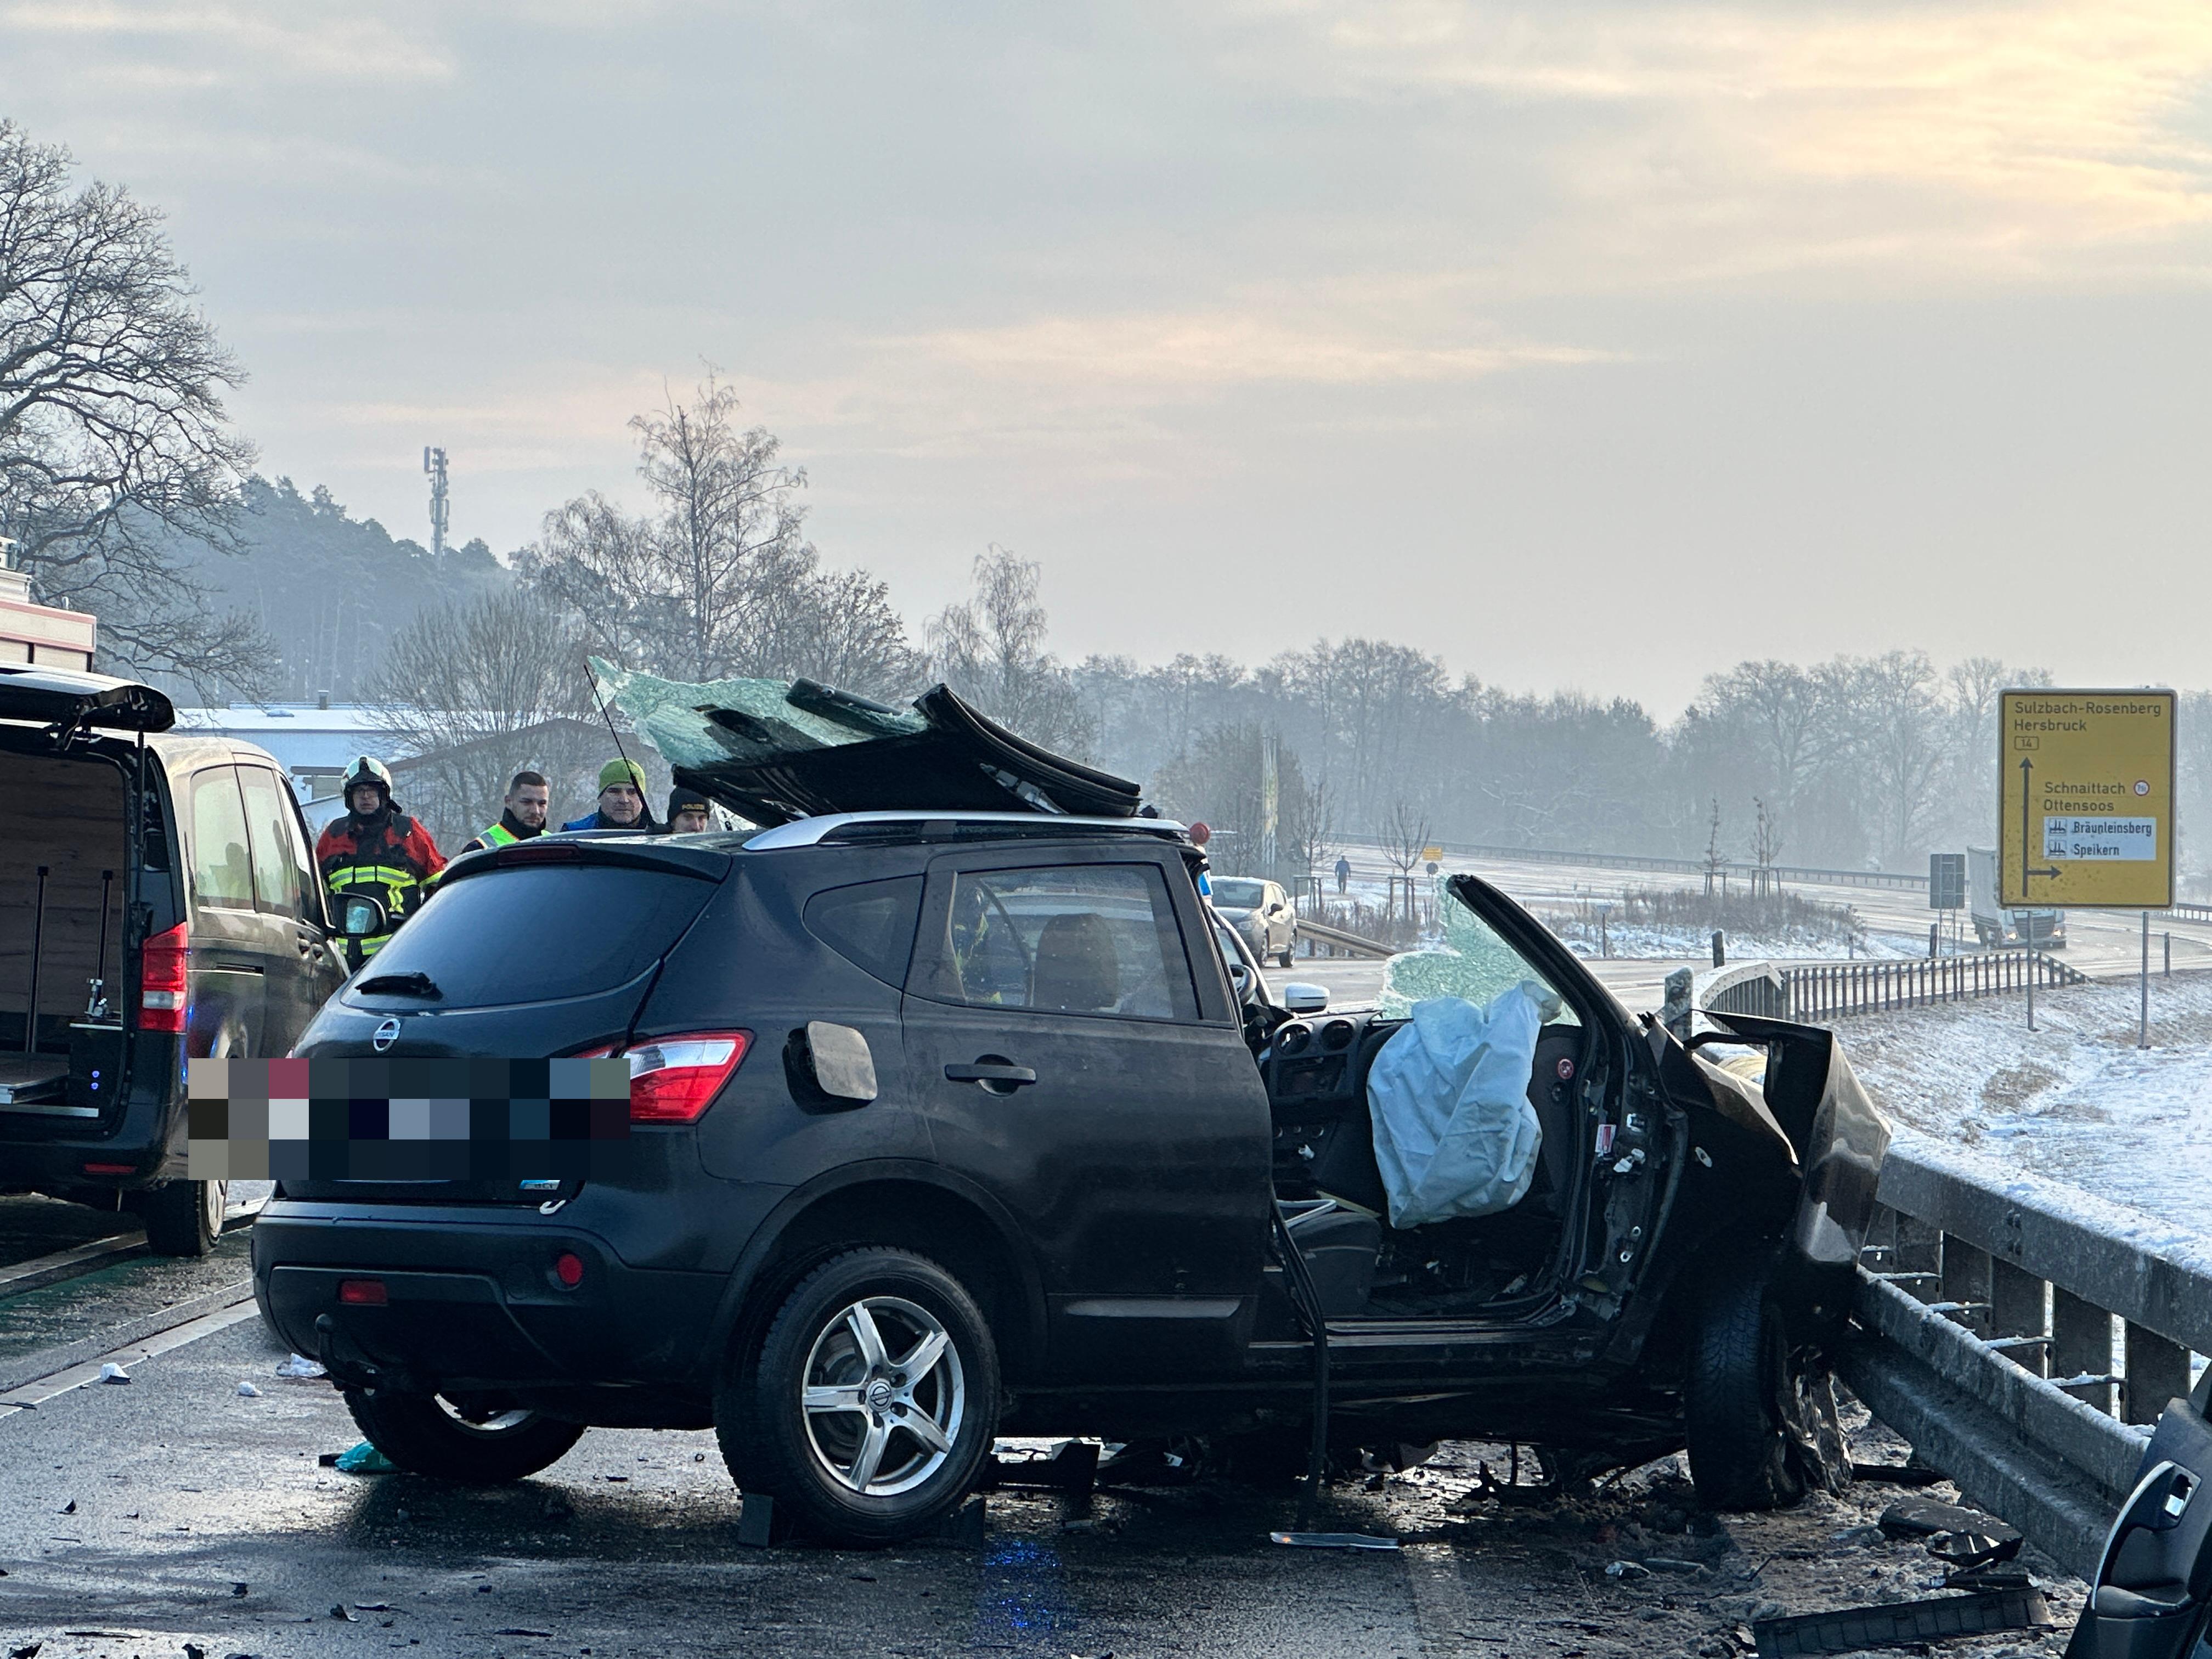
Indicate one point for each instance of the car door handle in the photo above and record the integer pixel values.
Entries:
(1013, 1077)
(236, 967)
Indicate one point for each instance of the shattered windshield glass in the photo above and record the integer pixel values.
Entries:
(1474, 963)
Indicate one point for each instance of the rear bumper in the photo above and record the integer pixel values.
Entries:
(474, 1303)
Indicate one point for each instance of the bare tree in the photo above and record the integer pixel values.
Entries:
(991, 649)
(473, 694)
(1404, 838)
(115, 450)
(716, 581)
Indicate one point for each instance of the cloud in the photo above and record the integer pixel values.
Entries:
(1709, 141)
(1205, 350)
(244, 42)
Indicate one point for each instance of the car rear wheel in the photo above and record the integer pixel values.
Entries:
(1741, 1378)
(873, 1401)
(478, 1443)
(183, 1218)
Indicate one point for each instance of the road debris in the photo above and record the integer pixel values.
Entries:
(1901, 1623)
(299, 1366)
(363, 1459)
(248, 1391)
(112, 1372)
(1333, 1540)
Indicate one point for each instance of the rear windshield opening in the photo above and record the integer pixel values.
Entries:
(532, 935)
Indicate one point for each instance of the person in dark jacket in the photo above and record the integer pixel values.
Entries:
(522, 814)
(621, 800)
(377, 850)
(688, 811)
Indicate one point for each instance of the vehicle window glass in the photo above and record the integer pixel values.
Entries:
(1476, 963)
(529, 935)
(277, 875)
(223, 868)
(871, 925)
(1236, 893)
(1094, 939)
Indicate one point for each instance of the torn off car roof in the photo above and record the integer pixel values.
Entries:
(775, 751)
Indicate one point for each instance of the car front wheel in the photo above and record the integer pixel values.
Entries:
(1737, 1395)
(478, 1443)
(873, 1402)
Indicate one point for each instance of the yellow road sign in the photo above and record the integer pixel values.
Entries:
(1431, 854)
(2085, 799)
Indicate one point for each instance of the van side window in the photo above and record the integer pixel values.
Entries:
(870, 924)
(223, 868)
(278, 858)
(1089, 938)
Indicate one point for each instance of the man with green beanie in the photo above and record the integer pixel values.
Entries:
(621, 800)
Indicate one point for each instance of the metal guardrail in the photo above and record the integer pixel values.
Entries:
(1352, 942)
(1986, 1316)
(1801, 874)
(1826, 991)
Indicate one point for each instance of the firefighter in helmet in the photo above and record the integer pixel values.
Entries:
(376, 849)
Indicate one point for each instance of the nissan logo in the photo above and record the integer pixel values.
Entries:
(386, 1035)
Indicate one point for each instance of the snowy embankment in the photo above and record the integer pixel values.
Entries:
(1584, 939)
(2119, 1135)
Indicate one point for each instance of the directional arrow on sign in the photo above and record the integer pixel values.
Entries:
(2027, 848)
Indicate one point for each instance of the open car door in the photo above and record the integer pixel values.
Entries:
(2152, 1596)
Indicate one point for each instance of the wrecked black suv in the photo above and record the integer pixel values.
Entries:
(948, 1122)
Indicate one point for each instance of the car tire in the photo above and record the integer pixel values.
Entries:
(479, 1448)
(1283, 956)
(1742, 1456)
(825, 1392)
(185, 1218)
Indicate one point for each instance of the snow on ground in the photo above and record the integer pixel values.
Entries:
(2074, 1102)
(1796, 944)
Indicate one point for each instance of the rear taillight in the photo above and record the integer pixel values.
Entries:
(362, 1292)
(673, 1080)
(164, 981)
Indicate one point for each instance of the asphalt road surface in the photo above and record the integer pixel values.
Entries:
(137, 1518)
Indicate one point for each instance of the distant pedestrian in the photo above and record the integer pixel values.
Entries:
(688, 811)
(522, 814)
(1343, 873)
(621, 800)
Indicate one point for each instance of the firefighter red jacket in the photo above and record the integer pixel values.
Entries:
(391, 857)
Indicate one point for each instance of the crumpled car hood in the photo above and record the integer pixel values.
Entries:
(774, 751)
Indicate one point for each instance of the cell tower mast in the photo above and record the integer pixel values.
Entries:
(433, 463)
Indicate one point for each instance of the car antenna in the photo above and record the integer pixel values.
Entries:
(592, 680)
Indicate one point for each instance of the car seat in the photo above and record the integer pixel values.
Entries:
(1077, 970)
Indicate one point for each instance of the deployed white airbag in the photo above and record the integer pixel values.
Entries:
(1454, 1135)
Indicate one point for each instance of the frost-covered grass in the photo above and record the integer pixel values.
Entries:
(2074, 1102)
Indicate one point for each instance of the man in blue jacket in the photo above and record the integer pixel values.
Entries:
(621, 800)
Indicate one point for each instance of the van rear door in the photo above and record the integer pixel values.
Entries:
(539, 950)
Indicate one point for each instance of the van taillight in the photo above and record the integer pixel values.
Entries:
(673, 1080)
(164, 981)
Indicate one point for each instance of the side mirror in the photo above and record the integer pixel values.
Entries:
(1300, 998)
(1239, 976)
(836, 1059)
(362, 917)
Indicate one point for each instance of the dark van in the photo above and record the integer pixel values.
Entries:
(158, 902)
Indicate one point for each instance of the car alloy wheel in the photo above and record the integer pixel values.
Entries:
(883, 1396)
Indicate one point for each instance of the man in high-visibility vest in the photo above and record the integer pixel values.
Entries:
(522, 813)
(377, 850)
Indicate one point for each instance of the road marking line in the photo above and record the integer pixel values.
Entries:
(46, 1269)
(53, 1386)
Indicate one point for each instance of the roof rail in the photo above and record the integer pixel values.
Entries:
(839, 826)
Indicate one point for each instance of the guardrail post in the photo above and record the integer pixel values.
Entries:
(1965, 1270)
(2157, 1370)
(1919, 1250)
(2082, 1346)
(2016, 1309)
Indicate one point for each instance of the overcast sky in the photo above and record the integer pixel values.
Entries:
(1593, 346)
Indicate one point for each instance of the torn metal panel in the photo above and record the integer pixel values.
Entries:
(774, 751)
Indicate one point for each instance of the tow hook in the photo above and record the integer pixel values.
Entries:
(552, 1206)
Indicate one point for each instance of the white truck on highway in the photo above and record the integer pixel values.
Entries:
(1993, 924)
